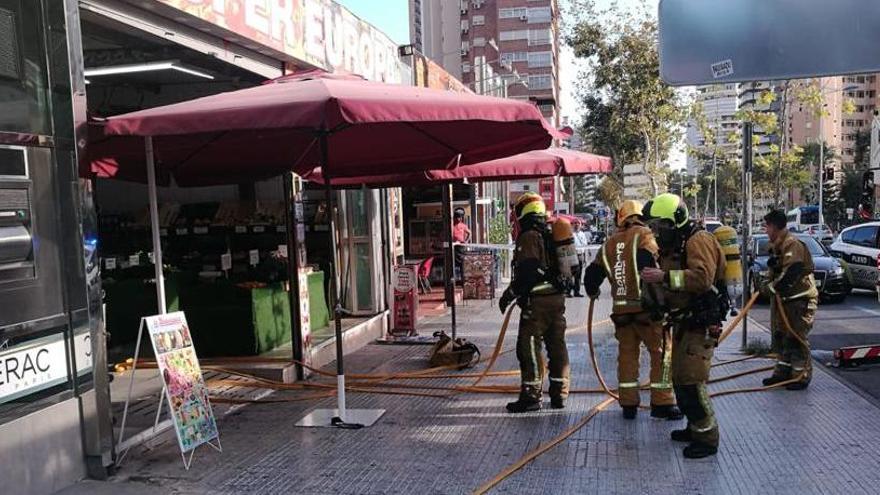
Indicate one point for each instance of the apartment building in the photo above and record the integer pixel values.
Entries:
(720, 103)
(506, 48)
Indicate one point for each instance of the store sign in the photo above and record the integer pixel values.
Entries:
(319, 32)
(547, 189)
(429, 74)
(40, 364)
(185, 387)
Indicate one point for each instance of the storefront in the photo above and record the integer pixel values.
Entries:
(71, 59)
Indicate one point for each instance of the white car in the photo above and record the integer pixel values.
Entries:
(859, 246)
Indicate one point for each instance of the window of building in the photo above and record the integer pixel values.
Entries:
(464, 25)
(540, 59)
(465, 46)
(465, 68)
(478, 20)
(514, 56)
(479, 41)
(519, 34)
(871, 79)
(513, 13)
(539, 14)
(871, 93)
(540, 36)
(540, 81)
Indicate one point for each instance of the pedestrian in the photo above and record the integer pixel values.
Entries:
(628, 251)
(691, 284)
(539, 292)
(791, 279)
(461, 234)
(580, 244)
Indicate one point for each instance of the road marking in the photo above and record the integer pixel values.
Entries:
(872, 312)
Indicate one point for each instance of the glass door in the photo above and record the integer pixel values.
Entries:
(358, 256)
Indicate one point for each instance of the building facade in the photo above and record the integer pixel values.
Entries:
(720, 104)
(505, 48)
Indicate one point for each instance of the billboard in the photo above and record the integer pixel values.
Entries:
(429, 74)
(716, 41)
(318, 32)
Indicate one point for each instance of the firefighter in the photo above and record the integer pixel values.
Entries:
(695, 302)
(621, 258)
(791, 278)
(542, 300)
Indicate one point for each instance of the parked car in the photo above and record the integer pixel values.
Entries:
(831, 274)
(859, 247)
(822, 233)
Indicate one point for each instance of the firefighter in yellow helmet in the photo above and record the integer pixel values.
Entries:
(628, 251)
(540, 294)
(694, 300)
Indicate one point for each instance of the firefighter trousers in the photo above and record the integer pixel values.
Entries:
(631, 332)
(543, 320)
(692, 352)
(792, 357)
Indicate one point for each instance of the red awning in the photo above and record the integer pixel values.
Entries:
(533, 164)
(370, 128)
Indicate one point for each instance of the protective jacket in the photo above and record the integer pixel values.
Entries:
(692, 275)
(621, 258)
(791, 269)
(531, 271)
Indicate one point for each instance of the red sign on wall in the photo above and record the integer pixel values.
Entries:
(547, 190)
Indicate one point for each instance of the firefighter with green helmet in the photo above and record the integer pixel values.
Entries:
(542, 300)
(620, 259)
(695, 303)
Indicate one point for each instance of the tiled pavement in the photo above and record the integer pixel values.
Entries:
(822, 440)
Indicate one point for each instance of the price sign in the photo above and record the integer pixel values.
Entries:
(134, 260)
(240, 229)
(182, 231)
(259, 229)
(254, 257)
(110, 263)
(226, 261)
(200, 230)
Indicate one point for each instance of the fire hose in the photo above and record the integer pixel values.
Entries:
(612, 397)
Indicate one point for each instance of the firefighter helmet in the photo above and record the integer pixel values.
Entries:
(667, 206)
(529, 203)
(628, 209)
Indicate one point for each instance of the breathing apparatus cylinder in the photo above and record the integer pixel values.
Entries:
(726, 236)
(563, 243)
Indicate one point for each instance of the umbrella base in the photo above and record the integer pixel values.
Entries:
(324, 417)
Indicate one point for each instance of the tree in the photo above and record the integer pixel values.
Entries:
(631, 115)
(610, 192)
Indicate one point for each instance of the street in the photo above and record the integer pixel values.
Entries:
(853, 322)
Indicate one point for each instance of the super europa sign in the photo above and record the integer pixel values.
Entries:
(319, 32)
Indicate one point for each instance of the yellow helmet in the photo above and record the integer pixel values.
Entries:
(529, 203)
(667, 206)
(628, 209)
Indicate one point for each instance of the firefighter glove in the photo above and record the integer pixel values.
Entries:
(506, 298)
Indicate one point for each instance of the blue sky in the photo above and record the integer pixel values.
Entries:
(390, 16)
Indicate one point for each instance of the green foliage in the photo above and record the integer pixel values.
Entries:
(499, 230)
(631, 115)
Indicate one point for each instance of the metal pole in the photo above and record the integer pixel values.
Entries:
(449, 256)
(293, 288)
(334, 286)
(746, 222)
(154, 224)
(821, 167)
(715, 182)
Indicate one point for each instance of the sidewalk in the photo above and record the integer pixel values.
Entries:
(822, 440)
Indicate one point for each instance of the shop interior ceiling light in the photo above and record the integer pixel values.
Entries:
(146, 67)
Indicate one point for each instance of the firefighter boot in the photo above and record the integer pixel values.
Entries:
(780, 374)
(698, 450)
(668, 412)
(529, 401)
(629, 412)
(558, 392)
(683, 435)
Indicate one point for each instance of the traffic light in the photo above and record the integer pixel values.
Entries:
(866, 207)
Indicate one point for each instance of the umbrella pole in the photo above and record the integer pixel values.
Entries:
(334, 301)
(449, 266)
(154, 224)
(341, 417)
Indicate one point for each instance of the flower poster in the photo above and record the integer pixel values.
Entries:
(185, 387)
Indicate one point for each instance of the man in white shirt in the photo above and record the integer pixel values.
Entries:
(581, 241)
